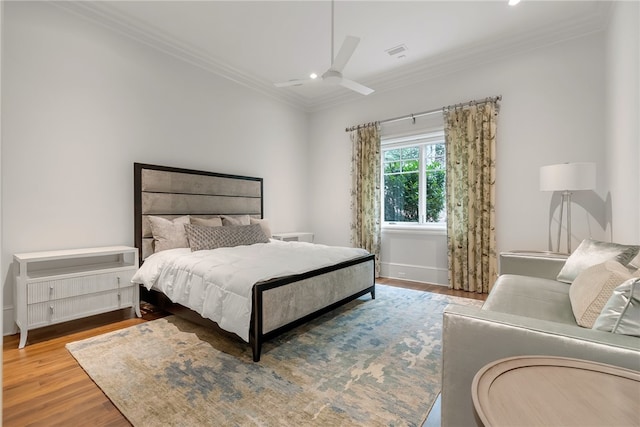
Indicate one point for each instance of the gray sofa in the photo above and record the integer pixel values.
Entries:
(527, 312)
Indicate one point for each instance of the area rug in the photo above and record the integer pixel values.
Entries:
(370, 362)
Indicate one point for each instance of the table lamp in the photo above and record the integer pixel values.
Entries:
(567, 177)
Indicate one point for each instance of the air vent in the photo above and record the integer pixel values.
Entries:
(395, 51)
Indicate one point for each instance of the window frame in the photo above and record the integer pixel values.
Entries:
(393, 142)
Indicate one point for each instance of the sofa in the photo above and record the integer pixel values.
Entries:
(528, 312)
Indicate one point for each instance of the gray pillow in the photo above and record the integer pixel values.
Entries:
(236, 220)
(592, 252)
(202, 237)
(621, 314)
(264, 224)
(168, 234)
(209, 222)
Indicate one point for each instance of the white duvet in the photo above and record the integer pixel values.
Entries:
(218, 283)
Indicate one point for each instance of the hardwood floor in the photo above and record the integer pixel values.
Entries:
(438, 289)
(43, 385)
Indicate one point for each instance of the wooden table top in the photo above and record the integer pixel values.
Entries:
(555, 391)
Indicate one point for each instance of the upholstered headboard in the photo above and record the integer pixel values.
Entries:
(171, 192)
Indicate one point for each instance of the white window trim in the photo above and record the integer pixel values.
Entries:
(433, 228)
(399, 141)
(434, 137)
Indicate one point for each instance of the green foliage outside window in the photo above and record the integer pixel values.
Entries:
(436, 185)
(402, 182)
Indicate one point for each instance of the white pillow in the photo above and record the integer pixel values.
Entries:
(591, 290)
(592, 252)
(168, 234)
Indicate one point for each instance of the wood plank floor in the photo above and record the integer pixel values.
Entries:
(43, 385)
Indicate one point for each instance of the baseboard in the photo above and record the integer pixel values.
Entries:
(415, 273)
(8, 323)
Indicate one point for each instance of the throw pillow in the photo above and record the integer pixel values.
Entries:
(236, 220)
(209, 222)
(591, 290)
(592, 252)
(264, 224)
(621, 314)
(202, 237)
(168, 234)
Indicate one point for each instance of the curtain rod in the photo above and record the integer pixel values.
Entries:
(426, 113)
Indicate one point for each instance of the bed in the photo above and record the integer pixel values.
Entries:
(303, 290)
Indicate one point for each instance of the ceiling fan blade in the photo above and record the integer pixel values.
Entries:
(295, 82)
(344, 54)
(356, 87)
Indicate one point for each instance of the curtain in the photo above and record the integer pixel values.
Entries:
(365, 190)
(470, 137)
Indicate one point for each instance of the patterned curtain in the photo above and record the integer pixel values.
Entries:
(470, 135)
(365, 190)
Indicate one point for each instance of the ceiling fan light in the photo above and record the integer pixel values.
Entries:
(313, 76)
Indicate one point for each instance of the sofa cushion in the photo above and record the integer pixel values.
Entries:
(592, 252)
(533, 297)
(591, 290)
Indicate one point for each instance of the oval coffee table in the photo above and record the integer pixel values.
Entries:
(555, 391)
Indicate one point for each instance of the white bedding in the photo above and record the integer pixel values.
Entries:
(218, 283)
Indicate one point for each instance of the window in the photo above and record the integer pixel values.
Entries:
(414, 180)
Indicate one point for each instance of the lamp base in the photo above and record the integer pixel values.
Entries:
(566, 198)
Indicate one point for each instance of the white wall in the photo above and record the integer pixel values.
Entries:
(1, 261)
(81, 104)
(552, 112)
(623, 123)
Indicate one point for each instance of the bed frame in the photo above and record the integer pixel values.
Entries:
(171, 192)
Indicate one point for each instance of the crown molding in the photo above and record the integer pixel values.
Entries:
(456, 60)
(102, 14)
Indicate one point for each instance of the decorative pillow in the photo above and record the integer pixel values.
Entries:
(264, 224)
(209, 222)
(201, 237)
(592, 252)
(168, 234)
(591, 290)
(236, 220)
(621, 314)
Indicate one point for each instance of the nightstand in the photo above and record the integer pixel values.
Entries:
(58, 286)
(299, 236)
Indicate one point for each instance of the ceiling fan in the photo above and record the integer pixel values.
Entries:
(333, 75)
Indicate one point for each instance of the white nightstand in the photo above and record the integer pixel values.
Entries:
(58, 286)
(300, 236)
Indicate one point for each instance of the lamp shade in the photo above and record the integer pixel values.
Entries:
(568, 177)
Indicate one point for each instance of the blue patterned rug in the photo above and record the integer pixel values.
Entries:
(370, 363)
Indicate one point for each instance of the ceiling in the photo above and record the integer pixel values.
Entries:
(258, 43)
